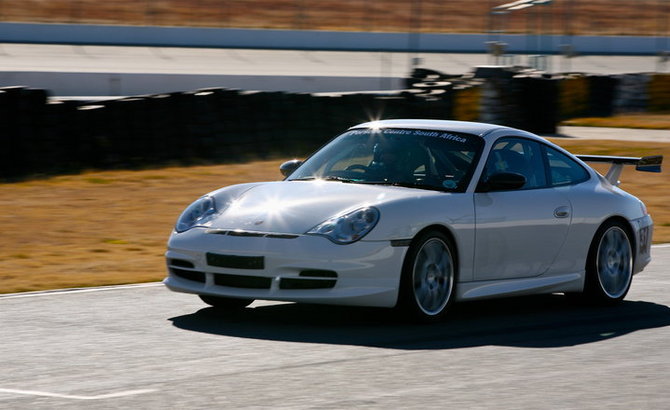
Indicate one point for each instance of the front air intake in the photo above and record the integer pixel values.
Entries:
(189, 275)
(235, 261)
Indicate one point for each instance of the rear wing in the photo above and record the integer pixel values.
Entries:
(647, 164)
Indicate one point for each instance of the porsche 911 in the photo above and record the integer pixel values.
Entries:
(417, 215)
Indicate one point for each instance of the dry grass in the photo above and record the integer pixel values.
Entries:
(102, 228)
(640, 17)
(644, 121)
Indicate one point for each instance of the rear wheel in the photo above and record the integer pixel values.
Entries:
(609, 268)
(226, 303)
(428, 283)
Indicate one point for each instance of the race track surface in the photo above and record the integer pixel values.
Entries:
(145, 347)
(166, 60)
(100, 71)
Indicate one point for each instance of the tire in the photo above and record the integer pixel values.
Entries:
(226, 303)
(429, 277)
(609, 267)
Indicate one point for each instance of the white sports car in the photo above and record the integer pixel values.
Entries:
(417, 214)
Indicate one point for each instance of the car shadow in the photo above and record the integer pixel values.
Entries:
(535, 322)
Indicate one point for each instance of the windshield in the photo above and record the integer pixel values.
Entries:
(427, 159)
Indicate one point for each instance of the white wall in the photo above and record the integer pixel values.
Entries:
(122, 84)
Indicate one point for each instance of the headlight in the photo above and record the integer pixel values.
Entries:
(198, 213)
(349, 227)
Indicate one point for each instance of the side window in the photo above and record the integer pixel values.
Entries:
(563, 170)
(519, 156)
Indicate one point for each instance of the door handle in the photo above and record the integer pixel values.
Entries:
(562, 212)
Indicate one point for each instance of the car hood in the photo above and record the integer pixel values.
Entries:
(295, 207)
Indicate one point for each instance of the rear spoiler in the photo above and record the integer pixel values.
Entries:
(647, 164)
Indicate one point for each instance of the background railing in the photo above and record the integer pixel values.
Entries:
(599, 17)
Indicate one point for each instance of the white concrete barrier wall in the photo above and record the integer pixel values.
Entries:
(123, 84)
(318, 40)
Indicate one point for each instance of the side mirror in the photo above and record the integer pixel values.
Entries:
(288, 167)
(503, 181)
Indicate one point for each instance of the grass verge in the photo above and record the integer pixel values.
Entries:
(640, 17)
(71, 231)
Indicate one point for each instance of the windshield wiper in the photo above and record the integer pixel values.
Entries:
(326, 178)
(339, 179)
(417, 185)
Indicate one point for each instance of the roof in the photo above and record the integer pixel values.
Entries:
(476, 128)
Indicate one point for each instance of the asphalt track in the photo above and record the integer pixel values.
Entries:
(173, 60)
(145, 347)
(606, 133)
(68, 70)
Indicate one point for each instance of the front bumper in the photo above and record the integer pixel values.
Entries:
(306, 268)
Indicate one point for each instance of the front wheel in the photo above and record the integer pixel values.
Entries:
(226, 303)
(428, 282)
(609, 269)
